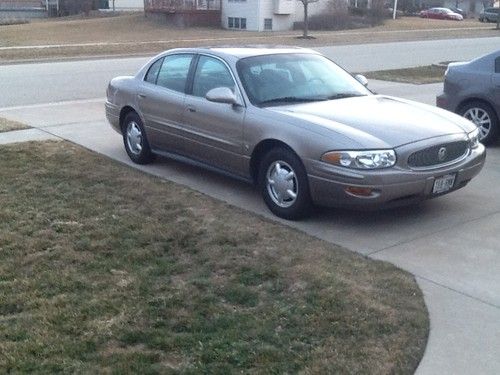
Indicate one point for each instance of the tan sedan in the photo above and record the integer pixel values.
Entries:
(294, 123)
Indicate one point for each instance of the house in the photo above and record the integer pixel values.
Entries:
(185, 13)
(21, 9)
(253, 15)
(266, 15)
(127, 5)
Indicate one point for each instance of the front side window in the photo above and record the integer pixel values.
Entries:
(294, 78)
(211, 73)
(174, 72)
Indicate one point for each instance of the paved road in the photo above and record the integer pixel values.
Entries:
(53, 82)
(382, 56)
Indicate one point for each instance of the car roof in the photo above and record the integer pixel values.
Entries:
(239, 52)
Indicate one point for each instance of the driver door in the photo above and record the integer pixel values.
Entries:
(214, 130)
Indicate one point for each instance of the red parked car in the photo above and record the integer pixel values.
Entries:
(441, 14)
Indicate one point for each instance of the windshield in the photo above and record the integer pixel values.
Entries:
(285, 78)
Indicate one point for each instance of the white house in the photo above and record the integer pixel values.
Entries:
(124, 5)
(266, 15)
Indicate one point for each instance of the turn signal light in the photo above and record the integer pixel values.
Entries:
(359, 191)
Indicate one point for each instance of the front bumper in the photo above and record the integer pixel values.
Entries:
(390, 187)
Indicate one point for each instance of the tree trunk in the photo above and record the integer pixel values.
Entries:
(306, 19)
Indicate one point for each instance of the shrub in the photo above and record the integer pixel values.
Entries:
(333, 21)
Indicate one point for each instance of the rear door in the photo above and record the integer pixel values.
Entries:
(215, 130)
(161, 100)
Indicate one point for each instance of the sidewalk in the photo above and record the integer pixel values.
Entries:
(450, 244)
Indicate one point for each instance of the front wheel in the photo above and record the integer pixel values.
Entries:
(484, 117)
(283, 184)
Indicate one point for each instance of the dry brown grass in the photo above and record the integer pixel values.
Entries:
(141, 35)
(9, 125)
(418, 75)
(106, 269)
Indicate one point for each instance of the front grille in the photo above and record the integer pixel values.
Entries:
(440, 154)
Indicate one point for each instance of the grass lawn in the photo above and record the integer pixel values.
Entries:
(107, 270)
(418, 75)
(137, 34)
(8, 125)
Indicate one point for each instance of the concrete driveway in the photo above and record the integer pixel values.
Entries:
(451, 244)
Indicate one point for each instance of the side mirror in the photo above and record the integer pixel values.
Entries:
(361, 79)
(222, 95)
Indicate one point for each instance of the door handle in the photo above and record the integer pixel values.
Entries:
(191, 109)
(142, 96)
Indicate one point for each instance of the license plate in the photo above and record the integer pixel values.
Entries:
(443, 184)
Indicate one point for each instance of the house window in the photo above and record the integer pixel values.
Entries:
(268, 23)
(237, 23)
(497, 65)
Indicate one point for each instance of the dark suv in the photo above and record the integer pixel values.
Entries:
(473, 90)
(489, 15)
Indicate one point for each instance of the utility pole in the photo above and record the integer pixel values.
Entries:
(395, 9)
(498, 17)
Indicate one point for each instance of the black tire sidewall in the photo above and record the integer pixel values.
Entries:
(302, 205)
(145, 156)
(493, 134)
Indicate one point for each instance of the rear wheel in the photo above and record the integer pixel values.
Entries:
(135, 141)
(484, 117)
(283, 184)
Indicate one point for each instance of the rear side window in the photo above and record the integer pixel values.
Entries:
(152, 73)
(174, 71)
(497, 65)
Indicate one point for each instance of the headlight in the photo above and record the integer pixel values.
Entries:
(369, 159)
(473, 138)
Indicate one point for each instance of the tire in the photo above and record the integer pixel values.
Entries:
(484, 117)
(135, 141)
(284, 185)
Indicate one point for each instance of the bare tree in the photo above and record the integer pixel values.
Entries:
(306, 16)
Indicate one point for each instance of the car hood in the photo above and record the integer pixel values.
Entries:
(378, 121)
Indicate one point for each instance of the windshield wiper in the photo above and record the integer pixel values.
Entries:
(344, 95)
(292, 99)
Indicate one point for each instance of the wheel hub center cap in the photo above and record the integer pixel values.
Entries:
(282, 185)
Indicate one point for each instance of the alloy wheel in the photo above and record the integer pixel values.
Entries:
(481, 118)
